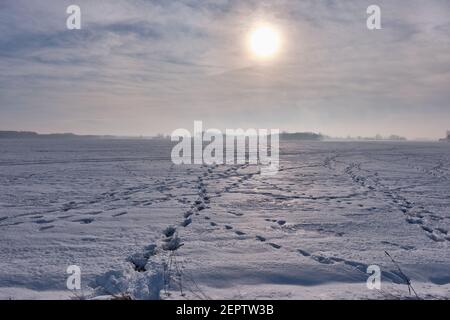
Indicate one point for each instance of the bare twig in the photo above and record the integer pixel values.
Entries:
(407, 280)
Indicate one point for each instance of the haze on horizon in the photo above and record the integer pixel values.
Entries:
(140, 67)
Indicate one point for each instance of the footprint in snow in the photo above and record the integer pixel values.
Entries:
(84, 221)
(120, 214)
(43, 221)
(94, 213)
(139, 260)
(322, 260)
(169, 231)
(186, 222)
(173, 244)
(46, 228)
(262, 239)
(66, 217)
(188, 214)
(274, 245)
(304, 253)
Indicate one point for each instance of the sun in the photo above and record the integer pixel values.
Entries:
(264, 42)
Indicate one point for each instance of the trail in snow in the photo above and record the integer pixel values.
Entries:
(138, 225)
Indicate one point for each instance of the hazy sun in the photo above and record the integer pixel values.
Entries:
(264, 42)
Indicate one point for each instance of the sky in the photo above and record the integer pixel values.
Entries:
(141, 67)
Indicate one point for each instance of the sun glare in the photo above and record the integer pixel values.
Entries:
(264, 42)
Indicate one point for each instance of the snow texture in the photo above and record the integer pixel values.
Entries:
(141, 227)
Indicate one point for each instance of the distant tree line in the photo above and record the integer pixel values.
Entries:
(311, 136)
(32, 135)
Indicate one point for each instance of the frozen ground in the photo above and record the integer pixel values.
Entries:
(308, 232)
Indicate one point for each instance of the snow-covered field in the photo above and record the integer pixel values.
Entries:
(310, 231)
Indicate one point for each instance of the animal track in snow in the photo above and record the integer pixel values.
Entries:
(139, 260)
(120, 214)
(186, 222)
(46, 228)
(169, 231)
(414, 214)
(94, 213)
(304, 253)
(84, 220)
(274, 245)
(361, 267)
(43, 221)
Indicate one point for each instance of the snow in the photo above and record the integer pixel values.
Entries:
(142, 227)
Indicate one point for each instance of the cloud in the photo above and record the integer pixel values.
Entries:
(142, 67)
